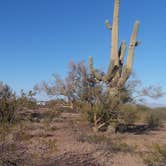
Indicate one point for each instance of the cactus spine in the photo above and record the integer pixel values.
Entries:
(118, 72)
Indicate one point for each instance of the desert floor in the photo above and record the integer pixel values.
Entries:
(66, 140)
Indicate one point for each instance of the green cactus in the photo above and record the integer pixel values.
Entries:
(118, 72)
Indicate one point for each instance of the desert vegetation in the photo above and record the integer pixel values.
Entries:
(94, 118)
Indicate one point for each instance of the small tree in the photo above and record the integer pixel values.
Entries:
(73, 88)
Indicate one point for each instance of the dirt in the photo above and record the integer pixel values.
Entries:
(59, 143)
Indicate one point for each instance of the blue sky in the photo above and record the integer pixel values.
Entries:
(40, 37)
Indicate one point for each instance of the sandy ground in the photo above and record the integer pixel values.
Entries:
(59, 143)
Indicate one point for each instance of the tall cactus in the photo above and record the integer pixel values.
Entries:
(118, 72)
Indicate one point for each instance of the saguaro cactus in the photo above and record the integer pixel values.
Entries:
(118, 72)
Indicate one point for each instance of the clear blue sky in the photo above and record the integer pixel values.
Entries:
(40, 37)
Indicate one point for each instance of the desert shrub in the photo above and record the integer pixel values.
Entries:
(55, 108)
(157, 156)
(53, 112)
(50, 115)
(7, 104)
(35, 116)
(160, 113)
(98, 114)
(100, 108)
(47, 116)
(129, 114)
(7, 110)
(27, 100)
(144, 112)
(105, 110)
(153, 121)
(31, 104)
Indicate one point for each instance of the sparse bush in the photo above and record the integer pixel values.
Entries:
(129, 114)
(157, 156)
(27, 100)
(7, 110)
(153, 121)
(160, 113)
(49, 116)
(7, 104)
(98, 115)
(54, 109)
(35, 117)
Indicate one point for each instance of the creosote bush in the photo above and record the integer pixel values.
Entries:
(7, 104)
(7, 110)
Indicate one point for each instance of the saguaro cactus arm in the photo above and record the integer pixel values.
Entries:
(115, 34)
(122, 50)
(98, 75)
(129, 64)
(133, 44)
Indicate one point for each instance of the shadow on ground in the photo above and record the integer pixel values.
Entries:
(133, 128)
